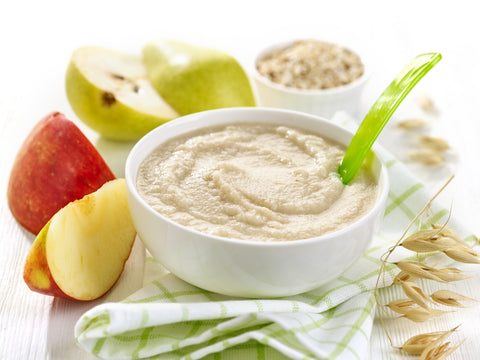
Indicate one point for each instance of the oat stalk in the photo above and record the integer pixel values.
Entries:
(416, 294)
(463, 254)
(420, 314)
(418, 269)
(401, 306)
(403, 276)
(440, 238)
(417, 344)
(438, 351)
(449, 298)
(390, 251)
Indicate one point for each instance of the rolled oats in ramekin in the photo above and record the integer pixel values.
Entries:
(310, 75)
(311, 64)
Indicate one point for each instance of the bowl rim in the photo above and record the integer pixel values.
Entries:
(309, 92)
(131, 188)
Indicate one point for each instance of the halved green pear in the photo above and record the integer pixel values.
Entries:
(192, 78)
(110, 92)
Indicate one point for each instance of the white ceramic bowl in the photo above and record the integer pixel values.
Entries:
(247, 268)
(324, 103)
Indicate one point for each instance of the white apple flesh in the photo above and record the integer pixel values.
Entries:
(81, 252)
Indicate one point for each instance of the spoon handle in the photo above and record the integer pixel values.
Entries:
(381, 111)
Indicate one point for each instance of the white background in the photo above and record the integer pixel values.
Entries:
(38, 37)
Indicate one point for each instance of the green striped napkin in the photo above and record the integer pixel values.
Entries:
(171, 319)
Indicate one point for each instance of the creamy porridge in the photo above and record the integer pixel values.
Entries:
(256, 182)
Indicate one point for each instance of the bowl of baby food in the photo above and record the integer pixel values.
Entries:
(248, 202)
(310, 75)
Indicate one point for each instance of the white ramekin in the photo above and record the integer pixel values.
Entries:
(324, 102)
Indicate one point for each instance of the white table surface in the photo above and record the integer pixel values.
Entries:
(37, 38)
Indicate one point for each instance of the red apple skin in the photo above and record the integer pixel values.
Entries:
(36, 272)
(55, 165)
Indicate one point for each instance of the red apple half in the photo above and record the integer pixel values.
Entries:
(55, 165)
(82, 250)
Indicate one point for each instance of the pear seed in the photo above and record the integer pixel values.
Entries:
(108, 99)
(117, 76)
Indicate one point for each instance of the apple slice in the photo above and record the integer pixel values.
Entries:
(110, 92)
(56, 164)
(192, 78)
(82, 250)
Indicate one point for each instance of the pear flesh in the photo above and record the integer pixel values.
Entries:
(110, 92)
(192, 78)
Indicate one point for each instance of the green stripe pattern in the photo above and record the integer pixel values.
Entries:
(171, 319)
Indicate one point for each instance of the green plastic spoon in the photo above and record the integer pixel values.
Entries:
(381, 112)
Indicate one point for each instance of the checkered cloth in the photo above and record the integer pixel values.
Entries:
(171, 319)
